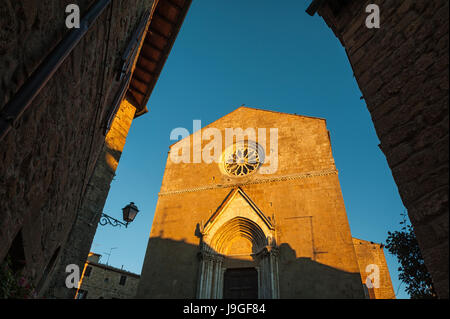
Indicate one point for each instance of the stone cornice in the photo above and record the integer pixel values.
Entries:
(251, 182)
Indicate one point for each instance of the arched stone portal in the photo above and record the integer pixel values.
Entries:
(239, 236)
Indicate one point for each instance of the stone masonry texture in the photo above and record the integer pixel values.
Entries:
(317, 258)
(371, 254)
(104, 282)
(83, 230)
(49, 156)
(402, 71)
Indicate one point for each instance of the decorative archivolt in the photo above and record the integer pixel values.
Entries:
(239, 227)
(238, 217)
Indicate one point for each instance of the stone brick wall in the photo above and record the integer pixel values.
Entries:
(103, 282)
(83, 230)
(47, 159)
(369, 253)
(402, 71)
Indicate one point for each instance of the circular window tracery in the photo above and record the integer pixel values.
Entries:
(242, 158)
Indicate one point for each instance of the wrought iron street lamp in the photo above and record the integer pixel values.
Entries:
(129, 214)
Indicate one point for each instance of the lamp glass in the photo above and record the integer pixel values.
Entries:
(129, 212)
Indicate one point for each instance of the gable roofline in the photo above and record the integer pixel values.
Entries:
(250, 108)
(228, 199)
(283, 113)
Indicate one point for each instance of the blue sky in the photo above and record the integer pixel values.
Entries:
(263, 55)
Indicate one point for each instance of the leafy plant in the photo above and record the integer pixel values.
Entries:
(14, 285)
(413, 272)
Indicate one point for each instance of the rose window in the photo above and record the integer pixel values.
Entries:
(242, 159)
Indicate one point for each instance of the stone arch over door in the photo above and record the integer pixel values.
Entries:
(239, 235)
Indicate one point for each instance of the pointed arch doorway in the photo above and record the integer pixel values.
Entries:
(239, 257)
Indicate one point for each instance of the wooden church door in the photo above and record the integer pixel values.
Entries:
(240, 283)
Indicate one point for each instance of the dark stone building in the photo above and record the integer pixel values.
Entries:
(60, 144)
(402, 71)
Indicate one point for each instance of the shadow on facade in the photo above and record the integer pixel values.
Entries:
(172, 269)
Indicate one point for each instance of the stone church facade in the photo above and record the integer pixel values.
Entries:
(231, 228)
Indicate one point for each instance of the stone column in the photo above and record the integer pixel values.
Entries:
(211, 276)
(201, 278)
(273, 263)
(268, 273)
(216, 285)
(220, 283)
